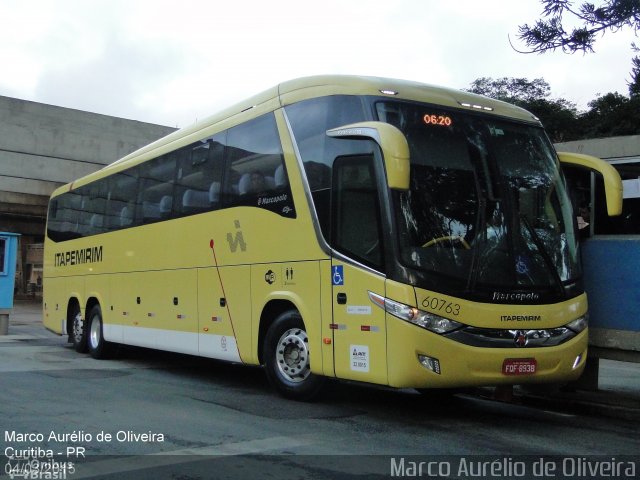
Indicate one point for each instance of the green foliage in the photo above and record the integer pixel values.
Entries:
(557, 115)
(611, 115)
(609, 16)
(608, 115)
(512, 90)
(634, 84)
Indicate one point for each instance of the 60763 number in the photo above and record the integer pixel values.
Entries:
(441, 305)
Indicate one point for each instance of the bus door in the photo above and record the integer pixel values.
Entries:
(359, 333)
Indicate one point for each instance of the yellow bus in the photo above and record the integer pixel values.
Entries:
(369, 229)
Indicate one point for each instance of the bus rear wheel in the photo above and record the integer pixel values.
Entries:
(78, 334)
(98, 346)
(286, 358)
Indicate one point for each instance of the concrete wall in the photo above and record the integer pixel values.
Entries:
(43, 147)
(613, 148)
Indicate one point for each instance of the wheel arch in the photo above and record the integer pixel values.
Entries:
(271, 310)
(72, 303)
(92, 301)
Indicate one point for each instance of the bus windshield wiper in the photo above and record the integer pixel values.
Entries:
(545, 255)
(487, 190)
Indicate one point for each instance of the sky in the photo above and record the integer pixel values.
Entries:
(174, 62)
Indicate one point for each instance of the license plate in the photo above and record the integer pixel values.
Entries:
(519, 366)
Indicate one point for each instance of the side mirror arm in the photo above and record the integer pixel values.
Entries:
(392, 142)
(612, 180)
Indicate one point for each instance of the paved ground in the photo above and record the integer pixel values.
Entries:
(618, 394)
(219, 420)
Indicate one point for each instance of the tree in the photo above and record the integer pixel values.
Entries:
(634, 85)
(512, 90)
(611, 16)
(557, 115)
(611, 115)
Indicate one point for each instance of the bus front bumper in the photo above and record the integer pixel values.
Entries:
(422, 359)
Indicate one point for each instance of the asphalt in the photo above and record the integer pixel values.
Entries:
(618, 393)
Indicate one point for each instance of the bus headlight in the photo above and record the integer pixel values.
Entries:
(435, 323)
(579, 324)
(426, 320)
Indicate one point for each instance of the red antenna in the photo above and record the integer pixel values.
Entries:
(215, 260)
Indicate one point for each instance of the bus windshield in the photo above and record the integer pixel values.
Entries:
(487, 205)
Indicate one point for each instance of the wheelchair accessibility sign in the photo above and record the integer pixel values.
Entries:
(337, 275)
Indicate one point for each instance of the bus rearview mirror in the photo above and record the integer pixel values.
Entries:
(392, 142)
(611, 177)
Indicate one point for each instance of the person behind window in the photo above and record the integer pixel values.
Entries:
(257, 182)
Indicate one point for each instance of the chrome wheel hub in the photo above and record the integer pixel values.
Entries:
(292, 355)
(78, 327)
(94, 333)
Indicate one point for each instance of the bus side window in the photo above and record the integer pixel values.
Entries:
(94, 201)
(310, 120)
(579, 186)
(123, 188)
(156, 189)
(356, 219)
(256, 174)
(588, 197)
(199, 177)
(53, 219)
(629, 222)
(280, 178)
(66, 217)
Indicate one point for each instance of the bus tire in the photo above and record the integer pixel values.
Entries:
(286, 358)
(98, 347)
(78, 330)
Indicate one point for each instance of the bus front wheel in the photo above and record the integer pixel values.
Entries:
(98, 346)
(286, 360)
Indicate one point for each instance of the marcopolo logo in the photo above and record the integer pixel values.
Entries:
(78, 257)
(515, 296)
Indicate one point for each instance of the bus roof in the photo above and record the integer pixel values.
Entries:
(293, 91)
